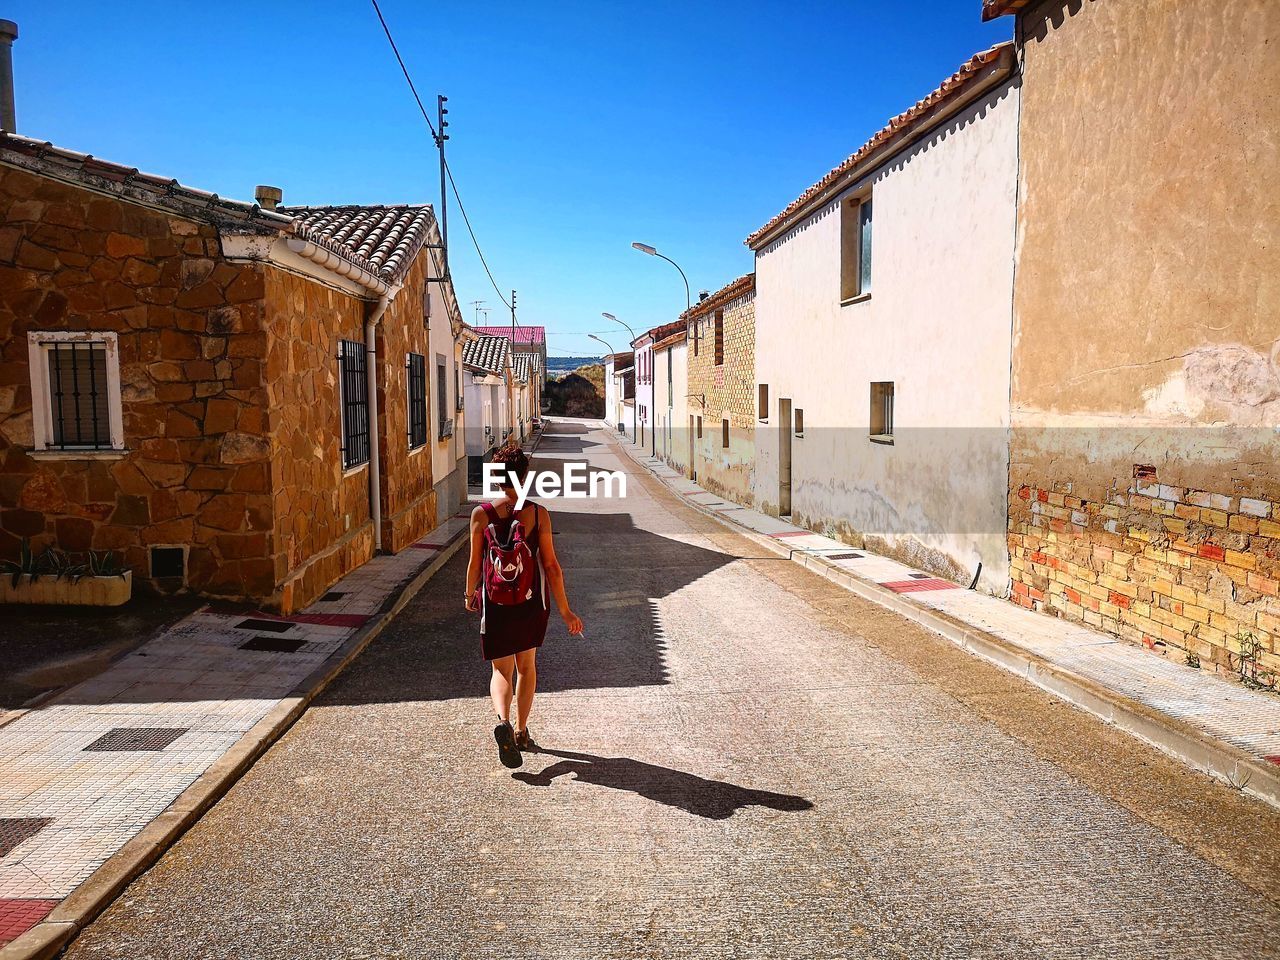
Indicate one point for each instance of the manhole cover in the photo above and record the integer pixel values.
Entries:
(273, 626)
(15, 830)
(333, 595)
(125, 739)
(275, 644)
(844, 556)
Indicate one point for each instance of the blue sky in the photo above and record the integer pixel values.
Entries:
(576, 127)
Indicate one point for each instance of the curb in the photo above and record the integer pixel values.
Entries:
(1170, 736)
(56, 931)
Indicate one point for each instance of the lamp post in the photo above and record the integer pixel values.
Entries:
(653, 252)
(594, 337)
(610, 317)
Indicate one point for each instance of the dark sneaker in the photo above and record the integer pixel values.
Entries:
(508, 755)
(525, 742)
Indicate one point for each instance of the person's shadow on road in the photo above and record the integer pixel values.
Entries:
(712, 799)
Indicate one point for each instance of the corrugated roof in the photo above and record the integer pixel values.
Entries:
(533, 335)
(489, 354)
(743, 286)
(975, 68)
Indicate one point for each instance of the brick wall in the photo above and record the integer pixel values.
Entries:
(729, 389)
(1178, 569)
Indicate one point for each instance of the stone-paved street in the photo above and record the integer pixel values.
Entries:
(742, 760)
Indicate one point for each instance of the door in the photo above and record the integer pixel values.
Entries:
(692, 471)
(784, 457)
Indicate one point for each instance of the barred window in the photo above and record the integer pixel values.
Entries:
(352, 369)
(443, 421)
(75, 387)
(416, 371)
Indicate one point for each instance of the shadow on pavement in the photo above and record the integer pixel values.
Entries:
(712, 799)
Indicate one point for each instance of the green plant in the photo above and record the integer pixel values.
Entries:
(104, 563)
(27, 564)
(60, 565)
(1251, 674)
(1191, 660)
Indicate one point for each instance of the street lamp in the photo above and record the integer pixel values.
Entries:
(594, 337)
(611, 317)
(653, 252)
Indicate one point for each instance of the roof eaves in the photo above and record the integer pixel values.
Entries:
(979, 73)
(743, 286)
(994, 9)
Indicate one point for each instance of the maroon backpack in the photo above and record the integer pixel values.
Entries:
(508, 567)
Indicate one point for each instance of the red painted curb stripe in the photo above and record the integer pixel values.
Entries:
(913, 586)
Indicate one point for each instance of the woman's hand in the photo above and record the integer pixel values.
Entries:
(469, 601)
(573, 622)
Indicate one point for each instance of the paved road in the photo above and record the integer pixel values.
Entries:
(744, 761)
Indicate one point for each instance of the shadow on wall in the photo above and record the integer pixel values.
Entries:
(614, 571)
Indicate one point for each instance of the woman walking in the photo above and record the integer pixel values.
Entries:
(513, 563)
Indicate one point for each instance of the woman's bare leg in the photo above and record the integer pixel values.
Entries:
(500, 688)
(526, 683)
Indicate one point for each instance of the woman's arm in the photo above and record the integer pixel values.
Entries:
(473, 565)
(555, 574)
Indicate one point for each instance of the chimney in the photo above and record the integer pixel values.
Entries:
(8, 34)
(703, 295)
(268, 198)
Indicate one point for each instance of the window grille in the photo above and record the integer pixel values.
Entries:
(417, 375)
(78, 396)
(352, 371)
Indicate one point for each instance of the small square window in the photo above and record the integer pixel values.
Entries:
(882, 411)
(762, 402)
(168, 563)
(75, 388)
(799, 424)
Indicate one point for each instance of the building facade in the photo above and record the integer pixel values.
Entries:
(720, 386)
(670, 401)
(217, 391)
(488, 390)
(882, 316)
(1144, 496)
(531, 342)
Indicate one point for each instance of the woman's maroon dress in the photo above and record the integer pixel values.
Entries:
(509, 629)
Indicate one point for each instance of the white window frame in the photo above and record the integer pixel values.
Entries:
(39, 343)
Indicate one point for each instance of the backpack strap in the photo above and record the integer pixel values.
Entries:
(489, 512)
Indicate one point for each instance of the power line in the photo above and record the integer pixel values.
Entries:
(403, 68)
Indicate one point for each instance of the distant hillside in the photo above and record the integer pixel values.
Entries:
(579, 393)
(559, 365)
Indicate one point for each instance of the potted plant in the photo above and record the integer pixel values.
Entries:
(95, 578)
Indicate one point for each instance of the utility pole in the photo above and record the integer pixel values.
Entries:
(441, 125)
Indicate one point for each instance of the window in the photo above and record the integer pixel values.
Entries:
(443, 421)
(724, 434)
(75, 389)
(855, 248)
(719, 337)
(693, 335)
(416, 371)
(882, 412)
(699, 428)
(670, 390)
(762, 401)
(799, 422)
(354, 389)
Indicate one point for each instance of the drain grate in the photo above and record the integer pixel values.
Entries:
(844, 556)
(275, 644)
(15, 830)
(272, 626)
(920, 576)
(127, 739)
(337, 594)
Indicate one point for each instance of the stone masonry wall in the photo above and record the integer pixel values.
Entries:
(189, 326)
(729, 390)
(322, 522)
(1181, 570)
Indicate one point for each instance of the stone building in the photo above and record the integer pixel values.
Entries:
(1144, 495)
(186, 379)
(721, 360)
(883, 296)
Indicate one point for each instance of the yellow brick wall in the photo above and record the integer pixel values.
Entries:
(730, 388)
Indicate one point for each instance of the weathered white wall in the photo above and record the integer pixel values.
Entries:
(671, 406)
(937, 324)
(644, 394)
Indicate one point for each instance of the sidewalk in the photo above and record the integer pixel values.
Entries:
(97, 781)
(1214, 724)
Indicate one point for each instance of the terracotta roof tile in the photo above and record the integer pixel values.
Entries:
(486, 353)
(744, 285)
(991, 9)
(974, 68)
(524, 367)
(387, 238)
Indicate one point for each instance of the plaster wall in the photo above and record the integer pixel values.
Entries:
(937, 325)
